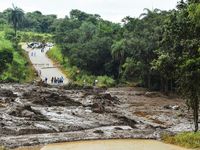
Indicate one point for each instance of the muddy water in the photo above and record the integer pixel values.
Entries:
(29, 148)
(113, 145)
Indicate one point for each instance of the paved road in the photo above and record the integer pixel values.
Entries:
(44, 65)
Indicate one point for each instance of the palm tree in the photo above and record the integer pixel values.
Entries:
(16, 16)
(149, 12)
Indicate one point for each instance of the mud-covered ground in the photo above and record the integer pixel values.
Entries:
(33, 115)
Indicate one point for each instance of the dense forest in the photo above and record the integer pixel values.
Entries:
(160, 50)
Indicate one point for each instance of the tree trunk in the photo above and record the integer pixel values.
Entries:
(15, 32)
(15, 40)
(171, 85)
(119, 71)
(161, 84)
(196, 113)
(166, 86)
(149, 80)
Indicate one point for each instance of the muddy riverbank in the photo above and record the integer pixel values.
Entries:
(33, 115)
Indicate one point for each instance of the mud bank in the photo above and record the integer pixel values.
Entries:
(33, 115)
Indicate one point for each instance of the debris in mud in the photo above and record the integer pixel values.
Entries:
(98, 131)
(98, 108)
(174, 107)
(118, 128)
(25, 111)
(127, 121)
(6, 93)
(54, 99)
(153, 94)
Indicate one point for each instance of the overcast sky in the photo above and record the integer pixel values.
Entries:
(113, 10)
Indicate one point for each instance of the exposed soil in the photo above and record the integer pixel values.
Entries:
(33, 115)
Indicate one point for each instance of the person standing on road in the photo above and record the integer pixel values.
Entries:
(46, 79)
(61, 79)
(39, 72)
(52, 80)
(55, 80)
(31, 53)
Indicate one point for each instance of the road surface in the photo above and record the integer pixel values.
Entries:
(44, 66)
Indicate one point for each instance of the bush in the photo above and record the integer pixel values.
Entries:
(76, 86)
(105, 81)
(56, 55)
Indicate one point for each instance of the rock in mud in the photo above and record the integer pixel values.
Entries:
(54, 99)
(98, 108)
(127, 121)
(153, 94)
(173, 107)
(25, 111)
(7, 93)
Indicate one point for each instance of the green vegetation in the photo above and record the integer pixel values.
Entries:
(186, 139)
(33, 36)
(14, 64)
(75, 74)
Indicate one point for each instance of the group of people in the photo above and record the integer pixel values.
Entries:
(54, 80)
(57, 80)
(33, 54)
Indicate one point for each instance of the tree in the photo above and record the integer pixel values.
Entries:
(16, 17)
(189, 85)
(118, 53)
(150, 13)
(165, 65)
(6, 55)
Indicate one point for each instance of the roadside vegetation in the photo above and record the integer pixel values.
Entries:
(186, 139)
(15, 66)
(79, 77)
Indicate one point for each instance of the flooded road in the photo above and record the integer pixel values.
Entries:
(113, 145)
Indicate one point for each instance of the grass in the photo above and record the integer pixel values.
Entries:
(185, 139)
(56, 56)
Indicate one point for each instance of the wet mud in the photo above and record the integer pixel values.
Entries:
(34, 115)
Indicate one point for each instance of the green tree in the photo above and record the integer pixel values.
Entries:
(16, 17)
(118, 53)
(189, 85)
